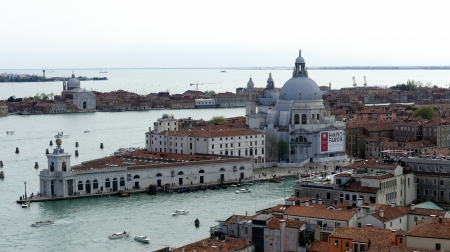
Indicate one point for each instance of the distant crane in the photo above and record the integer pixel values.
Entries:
(365, 82)
(196, 85)
(354, 81)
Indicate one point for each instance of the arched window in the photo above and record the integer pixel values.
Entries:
(159, 175)
(296, 119)
(317, 116)
(114, 179)
(201, 171)
(80, 186)
(226, 152)
(222, 169)
(303, 119)
(64, 166)
(312, 116)
(95, 184)
(107, 183)
(136, 176)
(301, 139)
(122, 181)
(241, 168)
(180, 173)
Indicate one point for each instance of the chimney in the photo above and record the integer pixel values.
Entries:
(392, 204)
(360, 201)
(282, 234)
(413, 207)
(335, 201)
(381, 213)
(307, 203)
(441, 218)
(313, 201)
(319, 201)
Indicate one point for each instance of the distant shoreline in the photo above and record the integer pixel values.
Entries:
(260, 68)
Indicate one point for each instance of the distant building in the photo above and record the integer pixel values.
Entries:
(84, 100)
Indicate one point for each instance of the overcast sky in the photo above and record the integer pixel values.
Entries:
(209, 33)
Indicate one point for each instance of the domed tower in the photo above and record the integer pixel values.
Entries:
(250, 99)
(57, 179)
(73, 82)
(268, 96)
(300, 119)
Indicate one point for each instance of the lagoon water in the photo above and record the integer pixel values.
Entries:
(85, 224)
(144, 81)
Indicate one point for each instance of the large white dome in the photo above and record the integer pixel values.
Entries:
(300, 88)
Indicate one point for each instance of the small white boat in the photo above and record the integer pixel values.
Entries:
(119, 235)
(101, 71)
(26, 205)
(42, 223)
(180, 212)
(142, 238)
(246, 190)
(61, 135)
(10, 132)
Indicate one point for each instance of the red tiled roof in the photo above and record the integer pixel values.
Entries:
(312, 212)
(432, 228)
(319, 246)
(356, 187)
(384, 176)
(212, 245)
(275, 223)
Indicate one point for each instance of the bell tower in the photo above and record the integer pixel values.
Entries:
(250, 100)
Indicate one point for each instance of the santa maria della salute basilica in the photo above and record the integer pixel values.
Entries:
(296, 115)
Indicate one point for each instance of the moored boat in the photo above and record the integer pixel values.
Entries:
(197, 222)
(142, 238)
(119, 235)
(42, 223)
(10, 132)
(180, 212)
(26, 204)
(123, 193)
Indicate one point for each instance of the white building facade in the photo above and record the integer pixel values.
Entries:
(297, 116)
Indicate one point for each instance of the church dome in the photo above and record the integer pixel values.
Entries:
(73, 82)
(250, 84)
(300, 88)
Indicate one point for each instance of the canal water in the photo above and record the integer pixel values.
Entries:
(84, 224)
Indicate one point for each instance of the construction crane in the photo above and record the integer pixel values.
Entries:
(354, 81)
(196, 85)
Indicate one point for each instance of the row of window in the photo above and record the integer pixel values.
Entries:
(107, 183)
(426, 181)
(428, 169)
(212, 139)
(426, 193)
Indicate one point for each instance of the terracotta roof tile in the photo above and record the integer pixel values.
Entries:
(312, 212)
(275, 223)
(384, 176)
(432, 228)
(210, 245)
(356, 187)
(319, 246)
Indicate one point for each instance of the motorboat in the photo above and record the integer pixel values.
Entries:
(123, 193)
(87, 131)
(42, 223)
(244, 190)
(119, 235)
(180, 212)
(26, 205)
(101, 71)
(197, 222)
(142, 238)
(10, 132)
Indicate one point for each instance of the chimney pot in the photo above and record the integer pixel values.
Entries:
(381, 213)
(413, 207)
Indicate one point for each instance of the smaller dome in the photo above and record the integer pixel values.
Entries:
(300, 60)
(270, 77)
(73, 82)
(250, 84)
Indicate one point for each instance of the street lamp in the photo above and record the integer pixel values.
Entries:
(25, 183)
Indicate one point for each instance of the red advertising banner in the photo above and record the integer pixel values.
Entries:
(324, 142)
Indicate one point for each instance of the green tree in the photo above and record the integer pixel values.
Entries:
(271, 146)
(282, 149)
(209, 92)
(425, 112)
(217, 119)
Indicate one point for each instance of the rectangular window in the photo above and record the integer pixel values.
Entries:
(336, 243)
(425, 192)
(437, 246)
